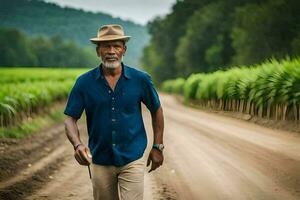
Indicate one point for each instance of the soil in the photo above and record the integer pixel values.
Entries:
(27, 163)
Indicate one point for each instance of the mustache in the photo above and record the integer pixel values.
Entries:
(110, 57)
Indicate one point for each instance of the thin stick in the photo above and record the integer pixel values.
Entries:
(90, 172)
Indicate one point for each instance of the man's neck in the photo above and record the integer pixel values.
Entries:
(112, 71)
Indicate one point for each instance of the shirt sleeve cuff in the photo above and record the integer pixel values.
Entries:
(72, 113)
(155, 107)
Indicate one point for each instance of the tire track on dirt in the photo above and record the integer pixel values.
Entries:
(39, 165)
(31, 161)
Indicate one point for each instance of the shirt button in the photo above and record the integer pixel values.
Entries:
(114, 144)
(113, 98)
(113, 120)
(109, 91)
(113, 108)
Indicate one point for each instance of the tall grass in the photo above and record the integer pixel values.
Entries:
(25, 92)
(271, 89)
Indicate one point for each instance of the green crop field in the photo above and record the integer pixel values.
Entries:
(270, 90)
(27, 91)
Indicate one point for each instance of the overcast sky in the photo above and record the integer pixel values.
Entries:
(139, 11)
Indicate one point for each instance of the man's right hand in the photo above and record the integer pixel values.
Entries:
(83, 155)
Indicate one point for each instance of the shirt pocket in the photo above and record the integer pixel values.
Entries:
(96, 102)
(130, 100)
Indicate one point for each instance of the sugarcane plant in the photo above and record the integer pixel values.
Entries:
(270, 90)
(27, 92)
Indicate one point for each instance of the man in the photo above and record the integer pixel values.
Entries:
(111, 96)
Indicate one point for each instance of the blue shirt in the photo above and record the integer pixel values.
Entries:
(114, 120)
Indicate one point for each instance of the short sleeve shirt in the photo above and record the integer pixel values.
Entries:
(114, 119)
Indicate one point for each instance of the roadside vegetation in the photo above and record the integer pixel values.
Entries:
(25, 93)
(270, 90)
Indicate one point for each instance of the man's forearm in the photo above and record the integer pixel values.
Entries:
(158, 126)
(72, 131)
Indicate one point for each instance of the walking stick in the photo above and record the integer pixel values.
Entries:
(90, 172)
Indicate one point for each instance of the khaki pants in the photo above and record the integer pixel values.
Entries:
(114, 183)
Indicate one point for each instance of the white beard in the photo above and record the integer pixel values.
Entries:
(112, 65)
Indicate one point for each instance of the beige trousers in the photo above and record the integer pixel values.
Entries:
(114, 183)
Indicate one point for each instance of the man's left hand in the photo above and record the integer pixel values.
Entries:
(156, 159)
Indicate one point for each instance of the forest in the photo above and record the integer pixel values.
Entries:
(37, 18)
(17, 49)
(205, 36)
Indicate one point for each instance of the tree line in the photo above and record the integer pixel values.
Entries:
(74, 24)
(206, 35)
(16, 49)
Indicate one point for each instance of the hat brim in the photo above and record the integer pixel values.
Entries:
(109, 38)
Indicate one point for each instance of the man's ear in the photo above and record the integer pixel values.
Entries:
(97, 50)
(125, 49)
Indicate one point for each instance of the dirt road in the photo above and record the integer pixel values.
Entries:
(207, 157)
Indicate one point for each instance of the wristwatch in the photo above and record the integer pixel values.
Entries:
(159, 147)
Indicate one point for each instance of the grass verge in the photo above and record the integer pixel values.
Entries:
(35, 124)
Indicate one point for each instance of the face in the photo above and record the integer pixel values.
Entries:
(111, 53)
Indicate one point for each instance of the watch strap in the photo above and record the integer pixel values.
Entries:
(159, 147)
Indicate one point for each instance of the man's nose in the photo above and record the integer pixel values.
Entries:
(111, 49)
(111, 52)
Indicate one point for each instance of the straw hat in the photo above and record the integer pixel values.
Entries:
(110, 32)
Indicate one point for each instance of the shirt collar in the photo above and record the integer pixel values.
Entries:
(125, 71)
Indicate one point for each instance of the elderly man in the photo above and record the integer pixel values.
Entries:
(111, 95)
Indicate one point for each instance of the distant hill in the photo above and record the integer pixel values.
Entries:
(35, 17)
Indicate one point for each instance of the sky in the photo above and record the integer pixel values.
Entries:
(139, 11)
